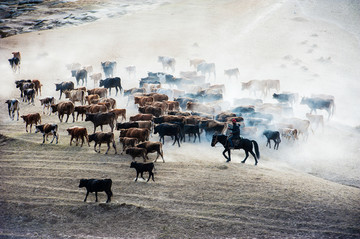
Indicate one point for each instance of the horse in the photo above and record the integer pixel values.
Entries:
(242, 143)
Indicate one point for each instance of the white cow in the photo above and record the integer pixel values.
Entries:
(207, 68)
(232, 72)
(131, 70)
(167, 62)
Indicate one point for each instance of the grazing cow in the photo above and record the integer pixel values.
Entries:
(69, 85)
(109, 83)
(206, 68)
(272, 135)
(135, 152)
(97, 185)
(82, 109)
(108, 68)
(96, 77)
(47, 102)
(78, 133)
(101, 119)
(142, 134)
(152, 147)
(167, 62)
(255, 85)
(29, 95)
(191, 129)
(31, 119)
(100, 137)
(102, 92)
(13, 105)
(141, 117)
(193, 106)
(288, 98)
(63, 108)
(195, 62)
(155, 111)
(75, 95)
(128, 142)
(319, 104)
(232, 72)
(141, 168)
(315, 121)
(166, 129)
(289, 133)
(131, 70)
(47, 129)
(37, 86)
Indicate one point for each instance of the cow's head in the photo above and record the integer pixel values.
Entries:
(89, 117)
(92, 137)
(133, 164)
(101, 83)
(53, 108)
(83, 183)
(58, 86)
(39, 128)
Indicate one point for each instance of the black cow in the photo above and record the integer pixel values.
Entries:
(66, 85)
(111, 83)
(80, 75)
(191, 129)
(243, 110)
(127, 125)
(13, 105)
(15, 64)
(23, 85)
(29, 95)
(167, 129)
(97, 185)
(141, 168)
(100, 119)
(319, 104)
(149, 80)
(272, 135)
(108, 68)
(288, 98)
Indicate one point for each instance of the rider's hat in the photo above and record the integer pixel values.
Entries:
(233, 120)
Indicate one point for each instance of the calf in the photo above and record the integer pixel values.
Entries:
(289, 133)
(99, 91)
(136, 152)
(47, 129)
(29, 95)
(37, 86)
(141, 168)
(13, 105)
(31, 119)
(100, 137)
(101, 119)
(82, 109)
(46, 103)
(272, 135)
(97, 185)
(315, 121)
(152, 147)
(78, 133)
(119, 112)
(141, 134)
(128, 142)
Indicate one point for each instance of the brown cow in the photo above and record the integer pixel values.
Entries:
(37, 86)
(152, 147)
(100, 137)
(160, 97)
(111, 101)
(142, 100)
(78, 133)
(102, 92)
(81, 109)
(63, 108)
(289, 133)
(31, 119)
(136, 152)
(139, 133)
(128, 142)
(142, 117)
(95, 108)
(173, 105)
(119, 112)
(155, 111)
(91, 98)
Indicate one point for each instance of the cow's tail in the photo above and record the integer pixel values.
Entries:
(257, 152)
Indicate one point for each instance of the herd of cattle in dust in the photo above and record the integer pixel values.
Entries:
(181, 107)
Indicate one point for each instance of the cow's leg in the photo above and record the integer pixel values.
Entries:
(60, 94)
(67, 117)
(95, 146)
(71, 139)
(87, 194)
(30, 127)
(17, 114)
(142, 175)
(82, 140)
(114, 146)
(43, 138)
(99, 147)
(96, 197)
(108, 144)
(101, 127)
(57, 137)
(73, 115)
(246, 156)
(54, 136)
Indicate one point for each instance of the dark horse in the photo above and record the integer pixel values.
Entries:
(241, 143)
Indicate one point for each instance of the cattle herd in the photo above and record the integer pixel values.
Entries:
(168, 106)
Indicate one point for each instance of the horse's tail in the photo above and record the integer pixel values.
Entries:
(256, 149)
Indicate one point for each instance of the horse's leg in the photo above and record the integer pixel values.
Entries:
(253, 154)
(247, 155)
(224, 153)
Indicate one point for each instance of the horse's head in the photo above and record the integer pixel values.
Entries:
(214, 140)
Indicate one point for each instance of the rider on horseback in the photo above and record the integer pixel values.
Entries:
(235, 132)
